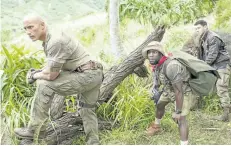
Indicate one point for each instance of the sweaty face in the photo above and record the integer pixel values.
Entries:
(34, 29)
(200, 29)
(154, 56)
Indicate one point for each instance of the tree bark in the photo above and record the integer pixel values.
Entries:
(62, 130)
(57, 106)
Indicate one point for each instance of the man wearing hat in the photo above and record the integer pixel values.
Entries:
(170, 84)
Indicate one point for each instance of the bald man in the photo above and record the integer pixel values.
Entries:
(69, 70)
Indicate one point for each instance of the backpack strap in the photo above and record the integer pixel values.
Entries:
(165, 66)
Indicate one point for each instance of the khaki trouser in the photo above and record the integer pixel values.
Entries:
(188, 103)
(86, 83)
(223, 86)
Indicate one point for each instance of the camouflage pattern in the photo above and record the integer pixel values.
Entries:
(63, 53)
(175, 72)
(223, 86)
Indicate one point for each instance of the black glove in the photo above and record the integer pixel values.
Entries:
(156, 95)
(29, 76)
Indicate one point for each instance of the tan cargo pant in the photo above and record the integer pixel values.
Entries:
(223, 86)
(188, 103)
(86, 83)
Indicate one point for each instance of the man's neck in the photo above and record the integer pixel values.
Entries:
(161, 62)
(44, 36)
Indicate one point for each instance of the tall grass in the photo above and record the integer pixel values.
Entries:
(130, 106)
(16, 95)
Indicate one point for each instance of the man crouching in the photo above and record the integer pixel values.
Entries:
(170, 84)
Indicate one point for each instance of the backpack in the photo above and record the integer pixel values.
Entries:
(203, 76)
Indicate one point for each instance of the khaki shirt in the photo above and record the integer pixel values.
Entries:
(62, 51)
(175, 72)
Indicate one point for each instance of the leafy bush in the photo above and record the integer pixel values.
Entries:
(87, 35)
(168, 12)
(223, 14)
(15, 93)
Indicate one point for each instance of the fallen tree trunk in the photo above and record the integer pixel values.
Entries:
(118, 73)
(62, 130)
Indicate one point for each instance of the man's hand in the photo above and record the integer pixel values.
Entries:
(176, 117)
(156, 95)
(29, 76)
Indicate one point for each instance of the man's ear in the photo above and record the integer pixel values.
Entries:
(43, 25)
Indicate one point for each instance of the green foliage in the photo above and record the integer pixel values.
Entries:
(211, 104)
(87, 35)
(223, 13)
(70, 103)
(79, 141)
(130, 105)
(16, 62)
(176, 38)
(5, 35)
(106, 58)
(15, 93)
(168, 12)
(198, 135)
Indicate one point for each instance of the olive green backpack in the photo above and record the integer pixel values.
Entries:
(203, 76)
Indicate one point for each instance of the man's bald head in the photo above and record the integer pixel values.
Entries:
(35, 27)
(34, 17)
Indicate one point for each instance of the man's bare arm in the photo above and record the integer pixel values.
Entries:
(50, 71)
(46, 74)
(179, 94)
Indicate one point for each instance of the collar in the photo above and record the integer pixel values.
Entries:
(204, 36)
(48, 36)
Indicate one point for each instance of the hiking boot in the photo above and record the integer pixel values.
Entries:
(26, 142)
(27, 133)
(24, 133)
(153, 129)
(224, 117)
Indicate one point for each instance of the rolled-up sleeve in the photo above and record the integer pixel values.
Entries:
(174, 73)
(57, 56)
(57, 53)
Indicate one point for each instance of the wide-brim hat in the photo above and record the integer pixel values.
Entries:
(153, 46)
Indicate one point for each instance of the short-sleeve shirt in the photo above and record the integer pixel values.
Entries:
(175, 72)
(62, 49)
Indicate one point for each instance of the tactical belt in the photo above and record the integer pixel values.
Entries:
(90, 65)
(85, 105)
